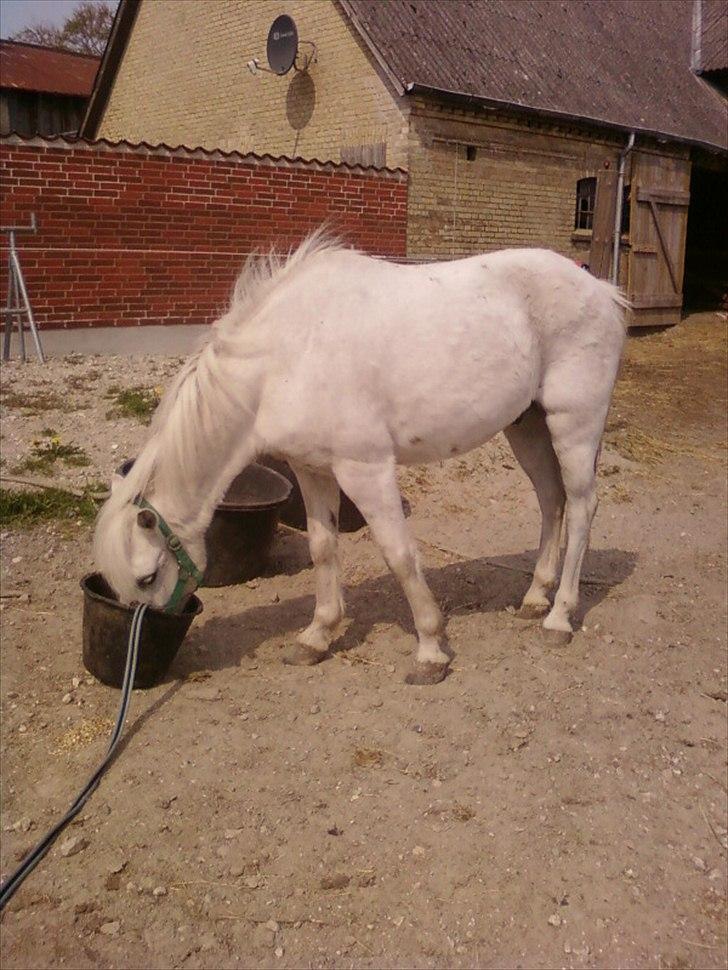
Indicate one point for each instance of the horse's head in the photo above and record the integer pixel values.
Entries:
(140, 558)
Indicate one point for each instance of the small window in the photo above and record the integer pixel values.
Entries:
(471, 152)
(586, 193)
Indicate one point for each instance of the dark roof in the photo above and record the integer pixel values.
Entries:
(29, 67)
(714, 35)
(624, 63)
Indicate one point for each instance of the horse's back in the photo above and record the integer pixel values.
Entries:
(431, 359)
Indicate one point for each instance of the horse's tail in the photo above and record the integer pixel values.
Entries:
(618, 298)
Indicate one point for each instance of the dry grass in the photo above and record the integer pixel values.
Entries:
(462, 813)
(647, 449)
(672, 394)
(84, 733)
(368, 758)
(33, 402)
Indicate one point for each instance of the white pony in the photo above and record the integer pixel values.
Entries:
(346, 365)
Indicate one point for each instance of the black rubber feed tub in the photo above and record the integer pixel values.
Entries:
(294, 511)
(106, 626)
(242, 529)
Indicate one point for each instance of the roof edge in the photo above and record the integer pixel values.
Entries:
(413, 87)
(396, 82)
(208, 154)
(49, 47)
(106, 74)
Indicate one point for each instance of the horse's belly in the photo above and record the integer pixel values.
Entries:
(468, 380)
(434, 379)
(445, 433)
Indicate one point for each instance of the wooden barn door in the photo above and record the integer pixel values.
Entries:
(602, 242)
(660, 195)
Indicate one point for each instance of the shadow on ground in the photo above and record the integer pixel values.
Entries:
(475, 587)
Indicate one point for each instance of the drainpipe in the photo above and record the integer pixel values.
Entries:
(618, 208)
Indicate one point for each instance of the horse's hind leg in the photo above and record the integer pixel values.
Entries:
(373, 488)
(576, 437)
(530, 440)
(321, 496)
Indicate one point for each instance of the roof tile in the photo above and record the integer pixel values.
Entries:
(622, 62)
(29, 67)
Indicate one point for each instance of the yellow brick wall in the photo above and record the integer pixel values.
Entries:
(519, 190)
(184, 80)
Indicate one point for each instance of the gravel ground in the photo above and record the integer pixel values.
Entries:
(540, 808)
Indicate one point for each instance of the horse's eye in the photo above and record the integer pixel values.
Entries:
(146, 580)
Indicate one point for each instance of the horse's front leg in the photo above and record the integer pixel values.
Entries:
(321, 496)
(373, 488)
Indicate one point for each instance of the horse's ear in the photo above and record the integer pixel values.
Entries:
(116, 480)
(146, 519)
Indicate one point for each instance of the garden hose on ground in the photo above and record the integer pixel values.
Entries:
(9, 887)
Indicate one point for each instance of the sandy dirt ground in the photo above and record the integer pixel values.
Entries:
(540, 808)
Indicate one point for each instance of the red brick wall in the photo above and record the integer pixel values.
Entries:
(128, 237)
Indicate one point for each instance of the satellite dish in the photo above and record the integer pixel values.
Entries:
(282, 44)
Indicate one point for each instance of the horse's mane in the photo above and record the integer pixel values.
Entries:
(184, 416)
(262, 274)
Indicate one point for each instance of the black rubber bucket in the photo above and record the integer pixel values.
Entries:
(293, 512)
(106, 626)
(241, 533)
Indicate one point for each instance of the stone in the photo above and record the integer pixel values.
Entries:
(338, 880)
(205, 693)
(23, 825)
(73, 845)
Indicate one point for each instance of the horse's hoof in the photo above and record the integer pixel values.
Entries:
(301, 655)
(557, 638)
(427, 673)
(532, 611)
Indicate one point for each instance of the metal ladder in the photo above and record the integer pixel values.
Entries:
(18, 305)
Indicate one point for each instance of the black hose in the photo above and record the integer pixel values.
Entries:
(13, 883)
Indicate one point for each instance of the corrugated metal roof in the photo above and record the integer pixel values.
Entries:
(28, 67)
(207, 154)
(714, 39)
(622, 62)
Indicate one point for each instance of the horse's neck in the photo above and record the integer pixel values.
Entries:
(205, 441)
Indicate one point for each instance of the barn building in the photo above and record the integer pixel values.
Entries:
(596, 129)
(43, 91)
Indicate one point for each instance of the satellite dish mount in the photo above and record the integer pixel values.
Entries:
(283, 49)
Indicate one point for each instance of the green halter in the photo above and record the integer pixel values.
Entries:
(190, 576)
